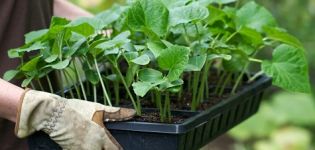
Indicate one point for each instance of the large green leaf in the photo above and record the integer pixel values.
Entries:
(146, 15)
(92, 76)
(150, 75)
(189, 13)
(254, 16)
(156, 48)
(170, 4)
(282, 36)
(60, 65)
(142, 88)
(174, 59)
(117, 41)
(288, 69)
(251, 36)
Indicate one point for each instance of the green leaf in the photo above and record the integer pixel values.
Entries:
(207, 2)
(51, 58)
(142, 88)
(18, 52)
(196, 63)
(282, 36)
(131, 72)
(170, 4)
(252, 36)
(27, 81)
(174, 59)
(144, 15)
(61, 65)
(215, 15)
(190, 13)
(58, 21)
(74, 48)
(288, 69)
(156, 48)
(9, 75)
(254, 16)
(92, 76)
(150, 75)
(142, 60)
(117, 41)
(84, 29)
(35, 35)
(31, 65)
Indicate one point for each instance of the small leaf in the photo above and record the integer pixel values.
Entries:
(150, 75)
(174, 59)
(254, 16)
(27, 81)
(117, 41)
(288, 69)
(142, 60)
(17, 52)
(131, 72)
(61, 65)
(189, 13)
(9, 75)
(84, 29)
(112, 77)
(252, 36)
(196, 63)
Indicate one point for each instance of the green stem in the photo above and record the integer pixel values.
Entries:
(255, 60)
(239, 79)
(231, 36)
(159, 105)
(127, 89)
(68, 83)
(75, 86)
(95, 93)
(80, 80)
(203, 82)
(225, 83)
(106, 98)
(40, 85)
(258, 74)
(49, 84)
(168, 107)
(62, 86)
(222, 76)
(195, 90)
(32, 85)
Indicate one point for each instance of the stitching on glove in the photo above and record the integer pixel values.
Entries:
(50, 125)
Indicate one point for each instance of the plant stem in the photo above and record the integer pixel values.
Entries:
(49, 84)
(159, 104)
(258, 74)
(80, 80)
(231, 36)
(75, 86)
(239, 79)
(94, 93)
(225, 83)
(195, 90)
(203, 82)
(40, 85)
(167, 107)
(255, 60)
(32, 85)
(222, 76)
(62, 86)
(68, 83)
(127, 89)
(102, 84)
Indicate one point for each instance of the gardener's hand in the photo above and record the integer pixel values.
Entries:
(73, 124)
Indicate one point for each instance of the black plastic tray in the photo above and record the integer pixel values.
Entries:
(192, 134)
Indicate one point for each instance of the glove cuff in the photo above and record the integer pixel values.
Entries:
(18, 113)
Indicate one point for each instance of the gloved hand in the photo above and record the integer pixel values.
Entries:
(73, 124)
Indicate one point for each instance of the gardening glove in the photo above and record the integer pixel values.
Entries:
(73, 124)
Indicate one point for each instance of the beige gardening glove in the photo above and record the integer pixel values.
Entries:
(73, 124)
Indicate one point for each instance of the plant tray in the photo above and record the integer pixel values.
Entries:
(195, 132)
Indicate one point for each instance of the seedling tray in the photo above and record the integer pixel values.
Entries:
(193, 133)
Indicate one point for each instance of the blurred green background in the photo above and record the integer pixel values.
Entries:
(286, 121)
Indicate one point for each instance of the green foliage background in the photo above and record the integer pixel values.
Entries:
(285, 121)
